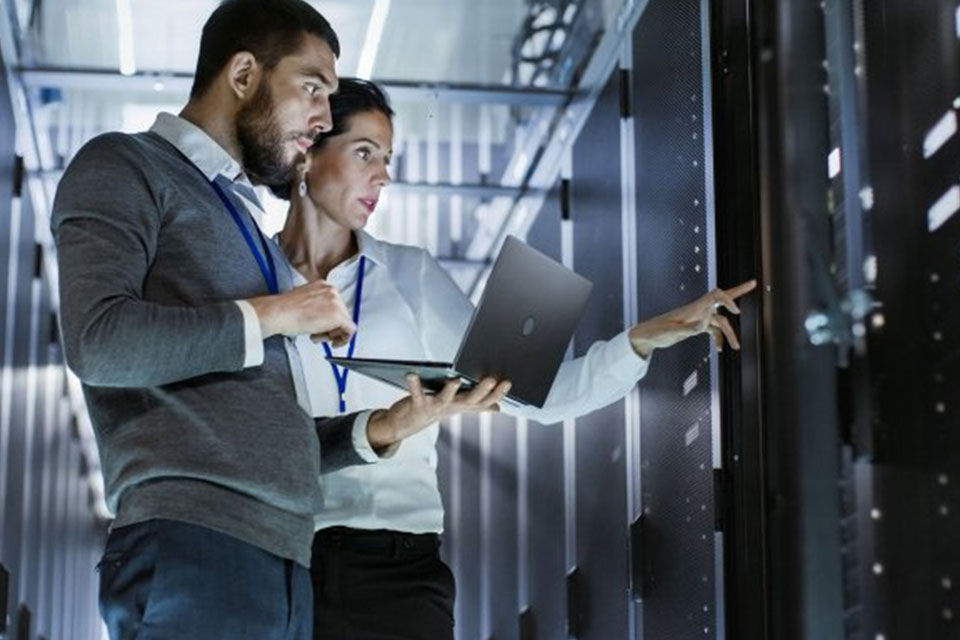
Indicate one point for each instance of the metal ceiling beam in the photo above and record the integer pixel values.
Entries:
(404, 91)
(400, 90)
(480, 191)
(483, 191)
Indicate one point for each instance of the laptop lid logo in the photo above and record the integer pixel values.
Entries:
(529, 325)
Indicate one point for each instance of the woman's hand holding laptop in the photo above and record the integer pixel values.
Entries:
(418, 410)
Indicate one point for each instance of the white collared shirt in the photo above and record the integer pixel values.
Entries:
(413, 310)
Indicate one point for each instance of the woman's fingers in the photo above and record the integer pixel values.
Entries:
(416, 389)
(484, 397)
(741, 289)
(339, 337)
(722, 298)
(717, 337)
(726, 298)
(724, 325)
(449, 392)
(497, 396)
(336, 337)
(481, 391)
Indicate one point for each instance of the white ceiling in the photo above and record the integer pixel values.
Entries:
(450, 41)
(433, 40)
(446, 41)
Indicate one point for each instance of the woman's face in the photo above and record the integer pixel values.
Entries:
(347, 173)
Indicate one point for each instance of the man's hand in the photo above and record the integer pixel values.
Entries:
(700, 316)
(314, 308)
(419, 410)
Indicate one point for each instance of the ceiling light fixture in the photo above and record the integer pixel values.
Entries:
(371, 44)
(128, 64)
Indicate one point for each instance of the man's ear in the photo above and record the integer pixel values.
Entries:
(244, 74)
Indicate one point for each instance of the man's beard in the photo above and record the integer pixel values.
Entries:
(261, 141)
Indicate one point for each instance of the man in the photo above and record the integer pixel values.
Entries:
(175, 313)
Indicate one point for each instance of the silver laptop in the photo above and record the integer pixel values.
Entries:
(519, 332)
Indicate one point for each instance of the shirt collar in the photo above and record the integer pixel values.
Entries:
(197, 145)
(370, 247)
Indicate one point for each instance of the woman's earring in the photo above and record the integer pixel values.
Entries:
(303, 188)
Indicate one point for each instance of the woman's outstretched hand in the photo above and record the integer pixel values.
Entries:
(700, 316)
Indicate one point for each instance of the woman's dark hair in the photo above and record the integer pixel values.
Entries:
(354, 96)
(269, 29)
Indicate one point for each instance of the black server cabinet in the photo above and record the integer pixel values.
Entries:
(906, 481)
(783, 448)
(37, 454)
(544, 608)
(667, 97)
(670, 105)
(546, 563)
(466, 533)
(8, 171)
(15, 465)
(502, 559)
(598, 605)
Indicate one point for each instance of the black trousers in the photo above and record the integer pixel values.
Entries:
(380, 585)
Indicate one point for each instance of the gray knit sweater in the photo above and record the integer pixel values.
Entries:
(150, 264)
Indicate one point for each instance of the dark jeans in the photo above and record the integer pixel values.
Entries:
(380, 585)
(167, 580)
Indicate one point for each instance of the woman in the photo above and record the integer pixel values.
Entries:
(377, 570)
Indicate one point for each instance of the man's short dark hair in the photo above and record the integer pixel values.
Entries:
(352, 97)
(269, 29)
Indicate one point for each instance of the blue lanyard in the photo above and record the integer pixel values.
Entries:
(267, 267)
(341, 376)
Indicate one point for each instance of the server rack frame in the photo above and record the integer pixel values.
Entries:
(781, 515)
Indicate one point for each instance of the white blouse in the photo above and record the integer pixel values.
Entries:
(413, 310)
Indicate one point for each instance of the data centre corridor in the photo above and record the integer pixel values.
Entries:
(804, 487)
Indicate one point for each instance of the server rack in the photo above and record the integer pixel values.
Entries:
(50, 536)
(830, 485)
(911, 447)
(635, 551)
(845, 113)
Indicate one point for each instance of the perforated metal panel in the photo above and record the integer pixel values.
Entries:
(673, 246)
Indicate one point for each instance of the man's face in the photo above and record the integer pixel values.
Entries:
(290, 107)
